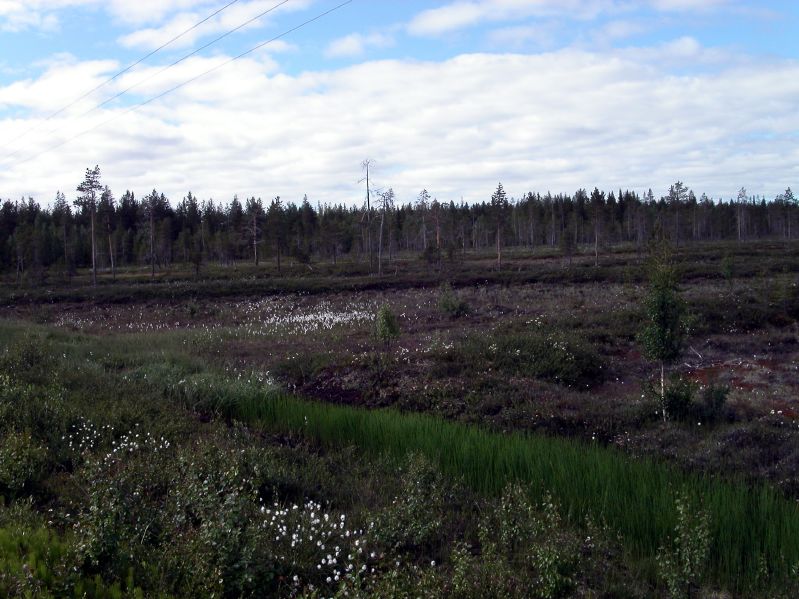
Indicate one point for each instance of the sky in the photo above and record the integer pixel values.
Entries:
(452, 96)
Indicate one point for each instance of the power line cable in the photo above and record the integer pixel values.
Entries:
(164, 69)
(120, 73)
(188, 81)
(189, 55)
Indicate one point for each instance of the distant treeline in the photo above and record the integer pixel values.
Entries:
(152, 231)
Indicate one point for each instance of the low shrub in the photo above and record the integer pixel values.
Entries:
(25, 361)
(414, 519)
(431, 255)
(298, 370)
(520, 531)
(712, 405)
(682, 404)
(683, 560)
(678, 399)
(386, 327)
(450, 304)
(22, 464)
(548, 355)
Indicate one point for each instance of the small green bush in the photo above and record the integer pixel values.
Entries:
(386, 328)
(535, 535)
(678, 400)
(299, 370)
(728, 269)
(525, 551)
(548, 355)
(681, 402)
(414, 518)
(36, 561)
(713, 402)
(22, 463)
(683, 560)
(450, 304)
(431, 255)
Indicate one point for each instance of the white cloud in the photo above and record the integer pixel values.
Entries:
(558, 120)
(163, 16)
(682, 52)
(56, 87)
(620, 29)
(539, 35)
(689, 5)
(462, 13)
(468, 13)
(18, 15)
(356, 44)
(233, 17)
(140, 12)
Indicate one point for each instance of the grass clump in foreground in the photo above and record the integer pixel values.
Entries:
(188, 518)
(141, 498)
(751, 529)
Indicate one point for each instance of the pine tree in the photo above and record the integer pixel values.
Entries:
(88, 200)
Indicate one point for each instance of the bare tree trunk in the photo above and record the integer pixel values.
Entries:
(663, 389)
(369, 220)
(20, 264)
(596, 246)
(94, 251)
(111, 256)
(499, 249)
(380, 244)
(254, 238)
(152, 242)
(740, 222)
(66, 254)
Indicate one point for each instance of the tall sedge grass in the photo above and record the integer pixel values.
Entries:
(750, 526)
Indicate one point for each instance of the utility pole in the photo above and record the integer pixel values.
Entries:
(365, 165)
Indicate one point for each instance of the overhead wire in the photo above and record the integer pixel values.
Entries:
(139, 105)
(120, 73)
(162, 70)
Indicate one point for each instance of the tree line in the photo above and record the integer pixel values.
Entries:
(98, 230)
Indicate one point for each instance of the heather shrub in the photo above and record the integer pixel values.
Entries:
(415, 517)
(22, 463)
(450, 304)
(683, 559)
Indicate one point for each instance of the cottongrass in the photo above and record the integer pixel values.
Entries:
(748, 524)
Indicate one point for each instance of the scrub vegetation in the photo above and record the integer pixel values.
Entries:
(459, 431)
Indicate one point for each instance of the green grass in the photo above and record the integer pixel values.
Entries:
(749, 526)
